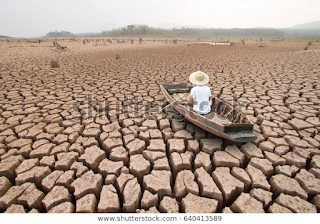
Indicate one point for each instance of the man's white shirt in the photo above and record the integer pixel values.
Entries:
(200, 96)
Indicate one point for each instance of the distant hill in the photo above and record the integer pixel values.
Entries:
(4, 36)
(315, 25)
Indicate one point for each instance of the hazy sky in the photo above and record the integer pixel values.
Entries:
(37, 17)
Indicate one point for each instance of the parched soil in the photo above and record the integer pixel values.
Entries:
(84, 129)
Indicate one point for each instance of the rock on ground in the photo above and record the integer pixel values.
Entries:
(295, 204)
(55, 197)
(158, 182)
(131, 195)
(109, 200)
(86, 204)
(247, 204)
(185, 183)
(230, 186)
(208, 187)
(196, 204)
(169, 205)
(283, 184)
(88, 183)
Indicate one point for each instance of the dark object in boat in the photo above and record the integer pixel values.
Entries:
(224, 120)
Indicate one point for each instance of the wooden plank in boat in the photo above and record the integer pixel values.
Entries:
(213, 116)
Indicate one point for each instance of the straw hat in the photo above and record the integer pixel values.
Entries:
(199, 78)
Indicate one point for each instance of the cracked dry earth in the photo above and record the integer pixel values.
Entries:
(72, 139)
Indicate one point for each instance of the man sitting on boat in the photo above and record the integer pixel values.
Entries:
(200, 96)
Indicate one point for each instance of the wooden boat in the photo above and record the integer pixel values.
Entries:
(223, 120)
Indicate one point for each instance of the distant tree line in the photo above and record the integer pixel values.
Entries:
(212, 32)
(140, 29)
(59, 34)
